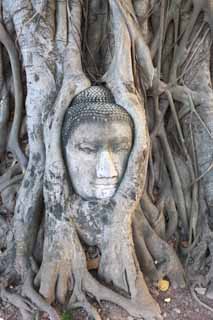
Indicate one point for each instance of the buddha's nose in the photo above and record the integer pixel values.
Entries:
(105, 167)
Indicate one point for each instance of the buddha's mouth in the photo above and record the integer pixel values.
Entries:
(108, 182)
(106, 185)
(104, 191)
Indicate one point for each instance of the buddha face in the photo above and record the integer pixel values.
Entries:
(96, 156)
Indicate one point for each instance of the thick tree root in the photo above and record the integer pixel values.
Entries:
(13, 144)
(79, 300)
(24, 305)
(54, 276)
(146, 261)
(166, 261)
(42, 305)
(138, 308)
(62, 262)
(30, 302)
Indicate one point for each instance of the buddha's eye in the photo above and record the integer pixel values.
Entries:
(87, 149)
(120, 147)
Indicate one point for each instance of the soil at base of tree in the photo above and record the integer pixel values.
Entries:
(175, 305)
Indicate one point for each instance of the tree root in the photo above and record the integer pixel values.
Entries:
(60, 260)
(173, 218)
(24, 306)
(37, 299)
(15, 180)
(145, 259)
(12, 171)
(13, 144)
(153, 215)
(31, 301)
(166, 261)
(175, 180)
(4, 117)
(136, 308)
(195, 296)
(79, 300)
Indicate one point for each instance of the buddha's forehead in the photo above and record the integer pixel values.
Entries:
(99, 132)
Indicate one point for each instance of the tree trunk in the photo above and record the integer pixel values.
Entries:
(155, 58)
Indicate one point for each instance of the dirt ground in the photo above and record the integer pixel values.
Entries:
(175, 305)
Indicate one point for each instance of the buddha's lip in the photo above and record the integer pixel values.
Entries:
(105, 184)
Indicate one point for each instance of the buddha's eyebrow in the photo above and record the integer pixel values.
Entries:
(121, 140)
(86, 141)
(99, 141)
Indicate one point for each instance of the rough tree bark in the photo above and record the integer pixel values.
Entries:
(155, 57)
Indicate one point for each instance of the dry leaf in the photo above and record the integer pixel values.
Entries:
(93, 264)
(163, 285)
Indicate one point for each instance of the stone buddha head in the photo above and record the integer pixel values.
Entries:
(97, 137)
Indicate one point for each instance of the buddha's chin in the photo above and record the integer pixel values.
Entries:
(105, 192)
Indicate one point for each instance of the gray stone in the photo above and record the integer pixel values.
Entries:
(177, 310)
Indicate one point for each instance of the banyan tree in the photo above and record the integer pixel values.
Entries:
(106, 153)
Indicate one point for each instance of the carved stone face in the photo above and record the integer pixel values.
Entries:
(96, 156)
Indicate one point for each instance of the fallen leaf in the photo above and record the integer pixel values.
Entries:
(163, 285)
(93, 264)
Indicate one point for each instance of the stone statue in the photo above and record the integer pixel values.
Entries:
(97, 137)
(93, 188)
